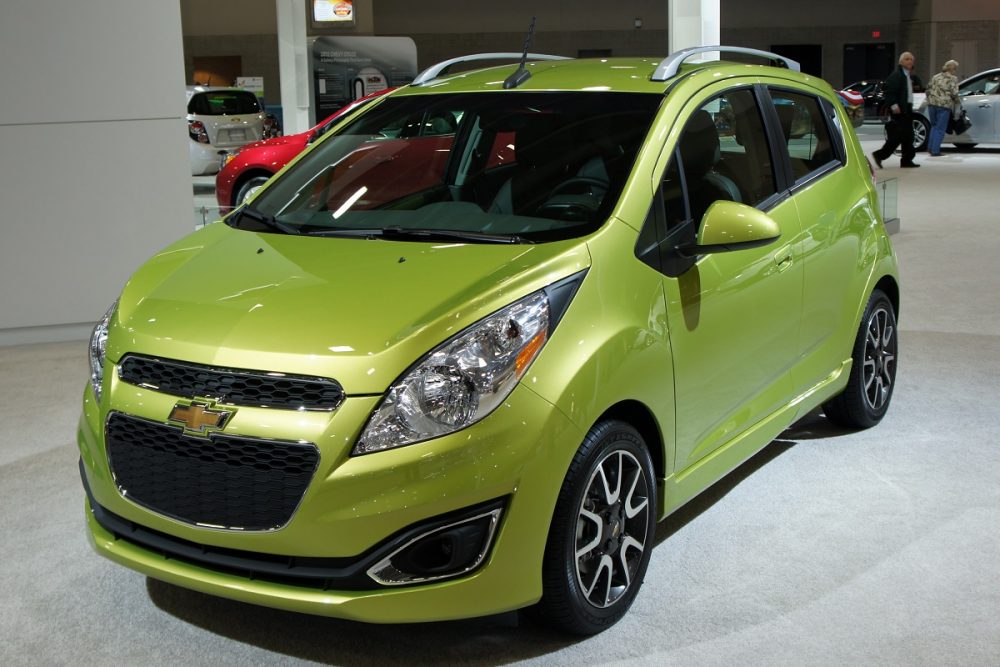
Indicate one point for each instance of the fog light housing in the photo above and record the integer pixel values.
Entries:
(440, 553)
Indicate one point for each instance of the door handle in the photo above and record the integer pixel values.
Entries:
(783, 258)
(985, 105)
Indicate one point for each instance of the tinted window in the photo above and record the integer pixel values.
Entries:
(987, 84)
(805, 131)
(224, 103)
(725, 154)
(537, 165)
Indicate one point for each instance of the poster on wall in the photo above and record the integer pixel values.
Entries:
(332, 12)
(347, 68)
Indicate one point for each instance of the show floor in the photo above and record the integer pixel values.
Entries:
(827, 548)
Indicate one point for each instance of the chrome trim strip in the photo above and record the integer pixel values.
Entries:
(398, 578)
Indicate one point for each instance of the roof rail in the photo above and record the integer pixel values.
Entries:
(671, 64)
(435, 71)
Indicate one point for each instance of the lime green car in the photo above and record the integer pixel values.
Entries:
(461, 355)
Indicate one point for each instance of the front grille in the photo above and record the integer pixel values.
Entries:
(232, 386)
(221, 481)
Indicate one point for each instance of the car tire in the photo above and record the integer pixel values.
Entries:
(250, 186)
(597, 554)
(921, 132)
(866, 398)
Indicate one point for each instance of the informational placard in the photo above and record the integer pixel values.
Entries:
(255, 84)
(347, 68)
(340, 12)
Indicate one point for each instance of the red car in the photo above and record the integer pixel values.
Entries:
(251, 166)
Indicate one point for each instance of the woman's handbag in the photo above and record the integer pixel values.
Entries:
(959, 122)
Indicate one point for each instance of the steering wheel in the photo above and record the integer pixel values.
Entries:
(578, 181)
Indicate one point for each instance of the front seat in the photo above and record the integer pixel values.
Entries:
(540, 151)
(700, 153)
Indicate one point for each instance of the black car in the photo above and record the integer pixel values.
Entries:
(872, 91)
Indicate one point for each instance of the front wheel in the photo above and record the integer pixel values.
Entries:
(866, 398)
(921, 132)
(246, 190)
(602, 532)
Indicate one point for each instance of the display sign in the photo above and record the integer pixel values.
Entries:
(347, 68)
(337, 12)
(255, 84)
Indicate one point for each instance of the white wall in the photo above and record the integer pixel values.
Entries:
(94, 172)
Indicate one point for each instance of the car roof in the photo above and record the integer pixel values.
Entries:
(594, 74)
(994, 70)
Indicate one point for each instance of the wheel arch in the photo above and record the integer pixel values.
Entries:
(641, 418)
(890, 287)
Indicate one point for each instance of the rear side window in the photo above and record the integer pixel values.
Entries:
(806, 135)
(224, 103)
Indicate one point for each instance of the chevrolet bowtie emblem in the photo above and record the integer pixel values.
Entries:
(199, 417)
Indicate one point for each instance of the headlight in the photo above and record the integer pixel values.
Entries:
(461, 381)
(98, 347)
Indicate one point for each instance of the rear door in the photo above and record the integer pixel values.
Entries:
(834, 208)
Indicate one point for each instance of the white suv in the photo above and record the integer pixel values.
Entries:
(220, 120)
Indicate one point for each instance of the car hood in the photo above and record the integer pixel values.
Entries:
(359, 311)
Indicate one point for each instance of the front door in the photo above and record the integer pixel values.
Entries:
(731, 333)
(981, 101)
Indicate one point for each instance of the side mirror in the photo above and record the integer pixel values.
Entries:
(729, 226)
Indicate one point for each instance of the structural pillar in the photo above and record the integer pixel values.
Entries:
(693, 23)
(293, 65)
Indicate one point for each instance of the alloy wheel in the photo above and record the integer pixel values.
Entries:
(612, 526)
(879, 368)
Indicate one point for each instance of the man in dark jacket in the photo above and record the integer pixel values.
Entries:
(898, 90)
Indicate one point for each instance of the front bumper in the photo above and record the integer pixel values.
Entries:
(355, 506)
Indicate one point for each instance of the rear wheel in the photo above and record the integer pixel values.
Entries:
(602, 532)
(866, 398)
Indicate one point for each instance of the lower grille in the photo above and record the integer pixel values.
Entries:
(220, 481)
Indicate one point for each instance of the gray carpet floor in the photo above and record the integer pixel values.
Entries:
(828, 548)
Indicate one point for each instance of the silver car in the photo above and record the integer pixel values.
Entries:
(980, 95)
(220, 120)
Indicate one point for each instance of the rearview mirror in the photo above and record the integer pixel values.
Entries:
(729, 226)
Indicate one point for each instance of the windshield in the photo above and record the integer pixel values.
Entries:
(524, 166)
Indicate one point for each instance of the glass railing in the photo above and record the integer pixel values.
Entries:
(887, 197)
(206, 214)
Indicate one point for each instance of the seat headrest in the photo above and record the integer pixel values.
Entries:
(700, 144)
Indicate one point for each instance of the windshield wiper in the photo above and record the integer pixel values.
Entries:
(421, 234)
(267, 220)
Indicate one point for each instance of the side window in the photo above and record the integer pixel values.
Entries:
(807, 137)
(724, 153)
(987, 84)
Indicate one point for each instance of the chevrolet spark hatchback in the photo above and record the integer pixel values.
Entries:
(394, 389)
